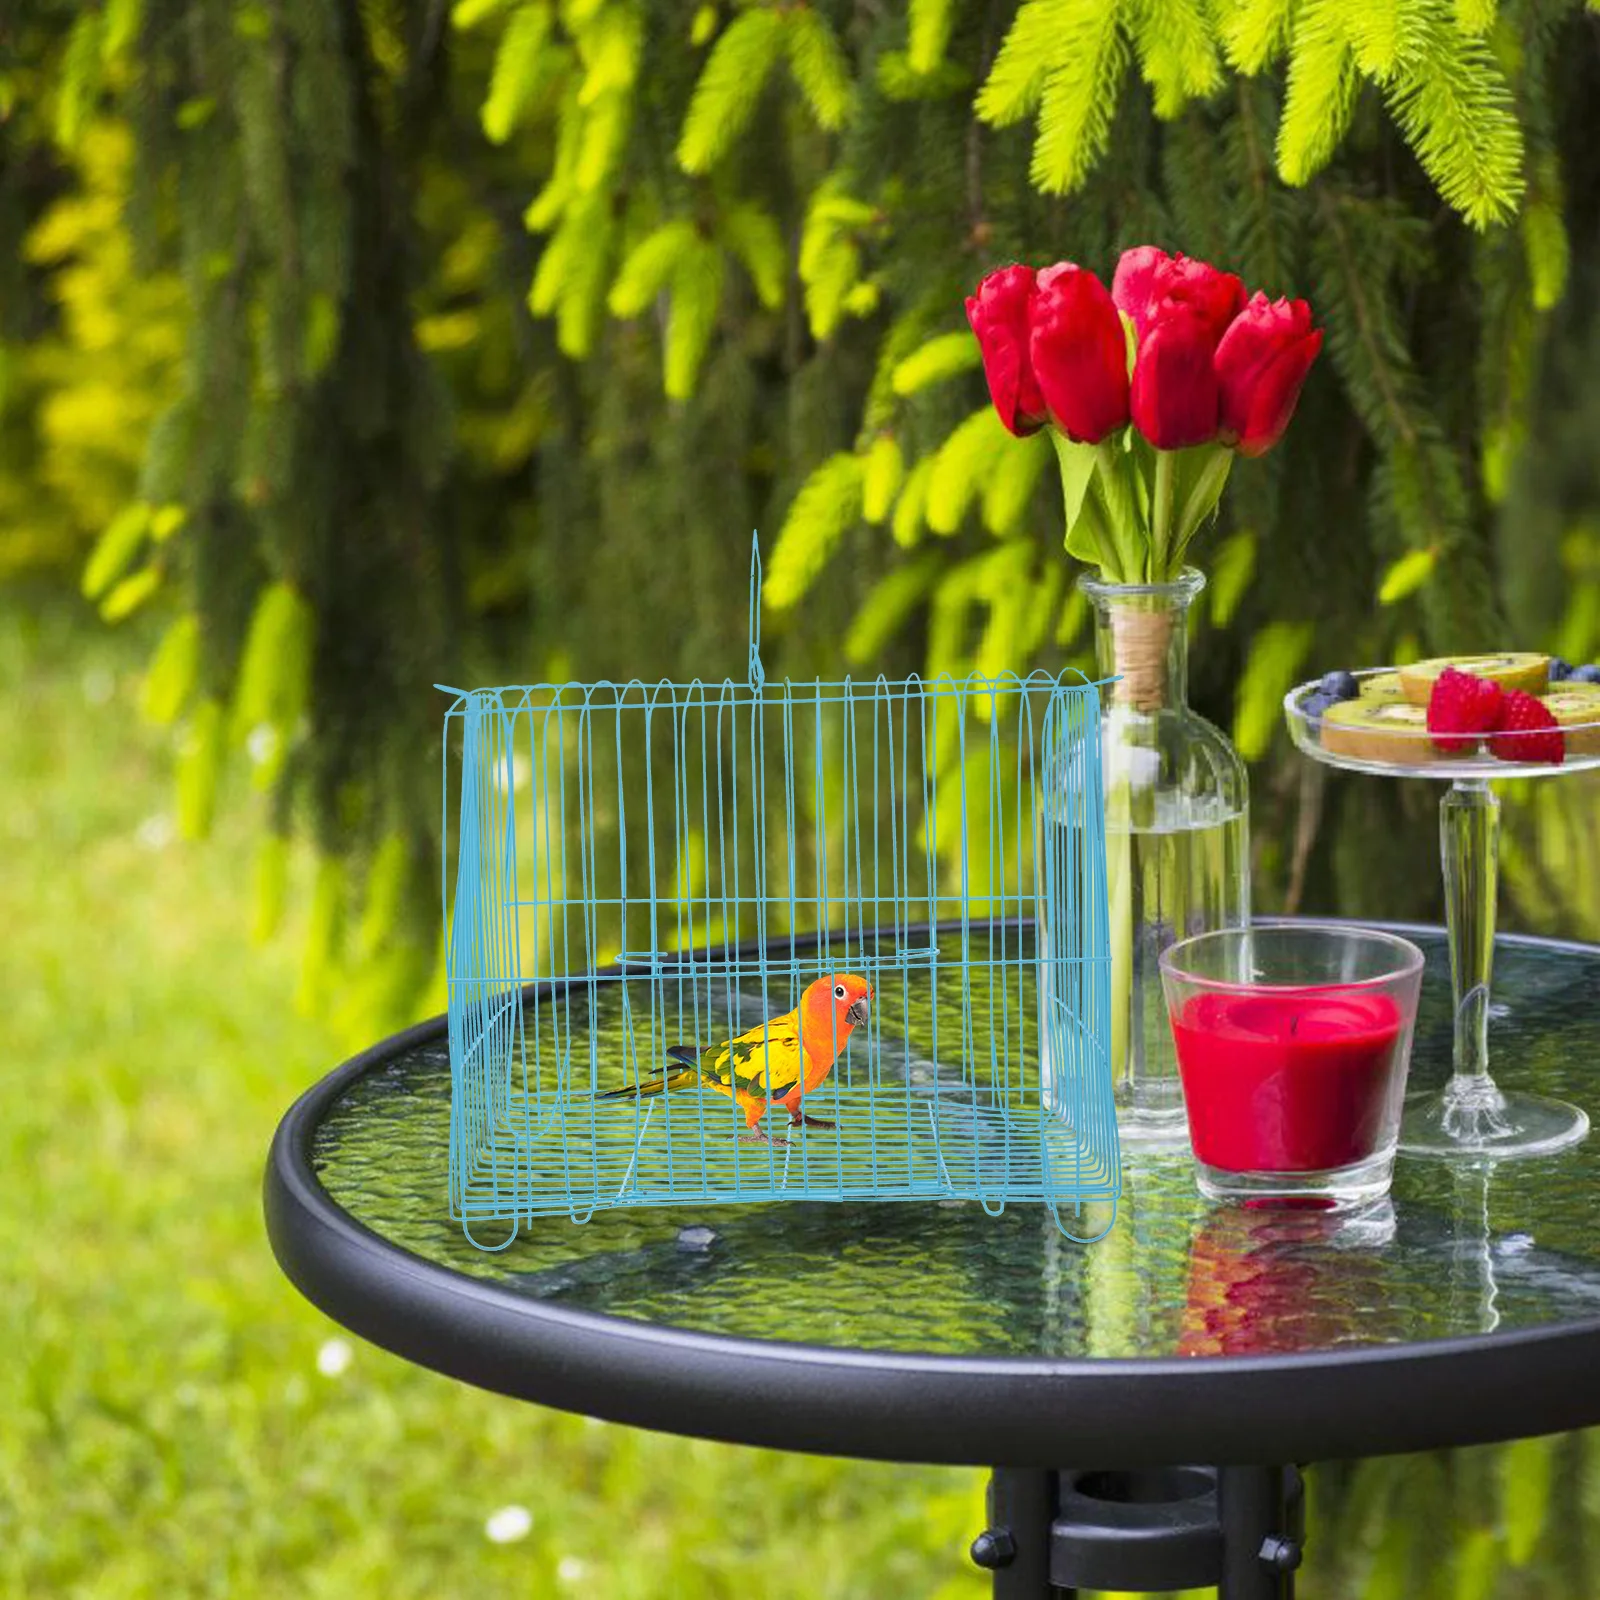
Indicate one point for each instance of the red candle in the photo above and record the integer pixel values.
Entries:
(1295, 1080)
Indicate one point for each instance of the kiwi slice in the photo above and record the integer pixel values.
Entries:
(1393, 732)
(1520, 669)
(1573, 705)
(1383, 688)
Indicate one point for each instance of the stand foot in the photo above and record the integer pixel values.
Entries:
(1470, 1116)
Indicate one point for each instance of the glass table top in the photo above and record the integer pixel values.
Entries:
(1458, 1250)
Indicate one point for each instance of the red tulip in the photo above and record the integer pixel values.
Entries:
(1133, 286)
(1000, 314)
(1079, 354)
(1174, 381)
(1149, 283)
(1261, 364)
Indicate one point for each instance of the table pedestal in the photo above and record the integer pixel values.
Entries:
(1154, 1530)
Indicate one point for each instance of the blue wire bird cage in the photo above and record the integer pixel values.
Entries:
(645, 870)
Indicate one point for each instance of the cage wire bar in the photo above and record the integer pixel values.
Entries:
(648, 865)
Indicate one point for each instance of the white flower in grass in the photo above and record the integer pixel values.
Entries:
(571, 1569)
(157, 832)
(509, 1524)
(333, 1359)
(262, 743)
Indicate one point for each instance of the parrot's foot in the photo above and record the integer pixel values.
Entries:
(811, 1122)
(756, 1136)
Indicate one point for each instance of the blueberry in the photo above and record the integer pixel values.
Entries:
(1560, 670)
(1588, 674)
(1312, 707)
(1339, 686)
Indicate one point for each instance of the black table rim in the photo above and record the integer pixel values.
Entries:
(891, 1405)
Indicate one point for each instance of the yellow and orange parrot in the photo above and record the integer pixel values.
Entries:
(779, 1061)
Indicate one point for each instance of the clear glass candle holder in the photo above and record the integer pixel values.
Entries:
(1293, 1041)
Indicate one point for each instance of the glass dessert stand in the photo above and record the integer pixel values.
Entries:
(1471, 1116)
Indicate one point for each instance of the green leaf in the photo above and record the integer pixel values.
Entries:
(115, 549)
(605, 136)
(1080, 96)
(1274, 657)
(570, 278)
(1407, 575)
(728, 87)
(1016, 80)
(469, 13)
(880, 478)
(910, 509)
(1385, 38)
(830, 261)
(755, 238)
(1477, 1565)
(122, 19)
(1254, 32)
(899, 81)
(199, 765)
(1544, 241)
(1008, 488)
(703, 25)
(648, 267)
(170, 678)
(275, 667)
(82, 74)
(1321, 97)
(1456, 111)
(1077, 471)
(692, 316)
(1177, 52)
(819, 66)
(941, 357)
(387, 879)
(129, 594)
(514, 82)
(1229, 575)
(324, 930)
(825, 509)
(1476, 16)
(959, 467)
(1526, 1481)
(885, 610)
(271, 875)
(929, 23)
(610, 52)
(166, 521)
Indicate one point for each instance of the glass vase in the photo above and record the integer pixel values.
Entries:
(1177, 832)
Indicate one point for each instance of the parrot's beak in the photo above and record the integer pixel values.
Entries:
(858, 1012)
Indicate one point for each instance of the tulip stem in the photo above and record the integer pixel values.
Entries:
(1161, 514)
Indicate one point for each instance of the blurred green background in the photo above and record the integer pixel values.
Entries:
(350, 346)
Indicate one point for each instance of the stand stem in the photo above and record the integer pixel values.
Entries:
(1469, 841)
(1472, 1118)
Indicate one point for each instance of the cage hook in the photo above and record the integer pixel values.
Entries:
(757, 672)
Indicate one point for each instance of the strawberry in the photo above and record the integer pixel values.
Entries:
(1461, 707)
(1526, 731)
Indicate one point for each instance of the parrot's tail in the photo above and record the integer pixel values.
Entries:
(671, 1078)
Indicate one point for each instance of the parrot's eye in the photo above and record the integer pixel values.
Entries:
(838, 991)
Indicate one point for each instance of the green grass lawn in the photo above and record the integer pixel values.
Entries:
(169, 1428)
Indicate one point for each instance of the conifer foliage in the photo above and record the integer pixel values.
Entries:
(492, 329)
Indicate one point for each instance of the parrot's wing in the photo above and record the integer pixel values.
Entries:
(766, 1060)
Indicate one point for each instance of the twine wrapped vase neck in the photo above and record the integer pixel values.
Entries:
(1141, 638)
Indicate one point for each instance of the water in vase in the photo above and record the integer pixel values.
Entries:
(1183, 869)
